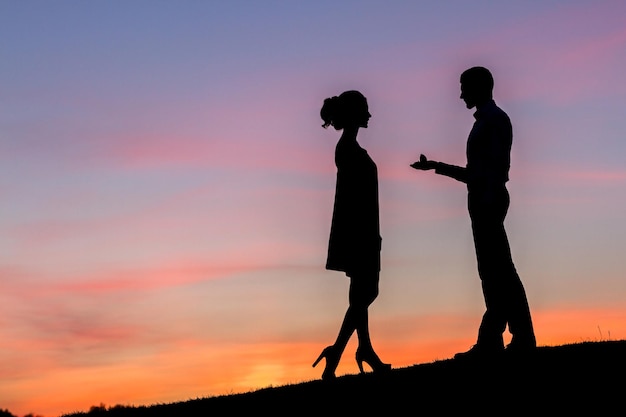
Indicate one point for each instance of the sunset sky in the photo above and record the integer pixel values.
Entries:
(167, 188)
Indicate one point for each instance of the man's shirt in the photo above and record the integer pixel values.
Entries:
(488, 150)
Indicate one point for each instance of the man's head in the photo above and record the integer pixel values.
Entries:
(476, 86)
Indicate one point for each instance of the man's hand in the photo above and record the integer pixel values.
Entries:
(423, 164)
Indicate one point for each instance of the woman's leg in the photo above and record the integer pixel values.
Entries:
(352, 320)
(363, 292)
(360, 296)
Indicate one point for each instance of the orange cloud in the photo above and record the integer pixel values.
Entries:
(188, 368)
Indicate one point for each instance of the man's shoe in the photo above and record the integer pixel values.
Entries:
(480, 353)
(520, 349)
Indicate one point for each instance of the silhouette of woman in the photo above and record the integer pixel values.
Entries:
(355, 242)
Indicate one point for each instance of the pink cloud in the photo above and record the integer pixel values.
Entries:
(565, 175)
(151, 151)
(582, 70)
(150, 278)
(34, 286)
(597, 177)
(217, 151)
(570, 54)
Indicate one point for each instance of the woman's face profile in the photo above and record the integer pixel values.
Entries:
(364, 115)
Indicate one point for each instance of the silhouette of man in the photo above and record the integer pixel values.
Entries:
(486, 173)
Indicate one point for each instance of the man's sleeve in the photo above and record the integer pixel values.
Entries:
(452, 171)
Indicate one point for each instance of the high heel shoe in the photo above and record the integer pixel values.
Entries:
(371, 358)
(332, 356)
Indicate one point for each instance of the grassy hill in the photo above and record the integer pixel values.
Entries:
(580, 378)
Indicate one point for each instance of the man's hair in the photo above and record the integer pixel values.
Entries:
(479, 78)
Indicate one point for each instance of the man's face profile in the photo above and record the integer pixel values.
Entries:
(468, 95)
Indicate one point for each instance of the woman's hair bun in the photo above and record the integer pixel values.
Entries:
(329, 111)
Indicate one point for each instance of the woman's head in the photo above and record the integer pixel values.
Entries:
(348, 109)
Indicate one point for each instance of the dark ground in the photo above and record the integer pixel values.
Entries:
(581, 378)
